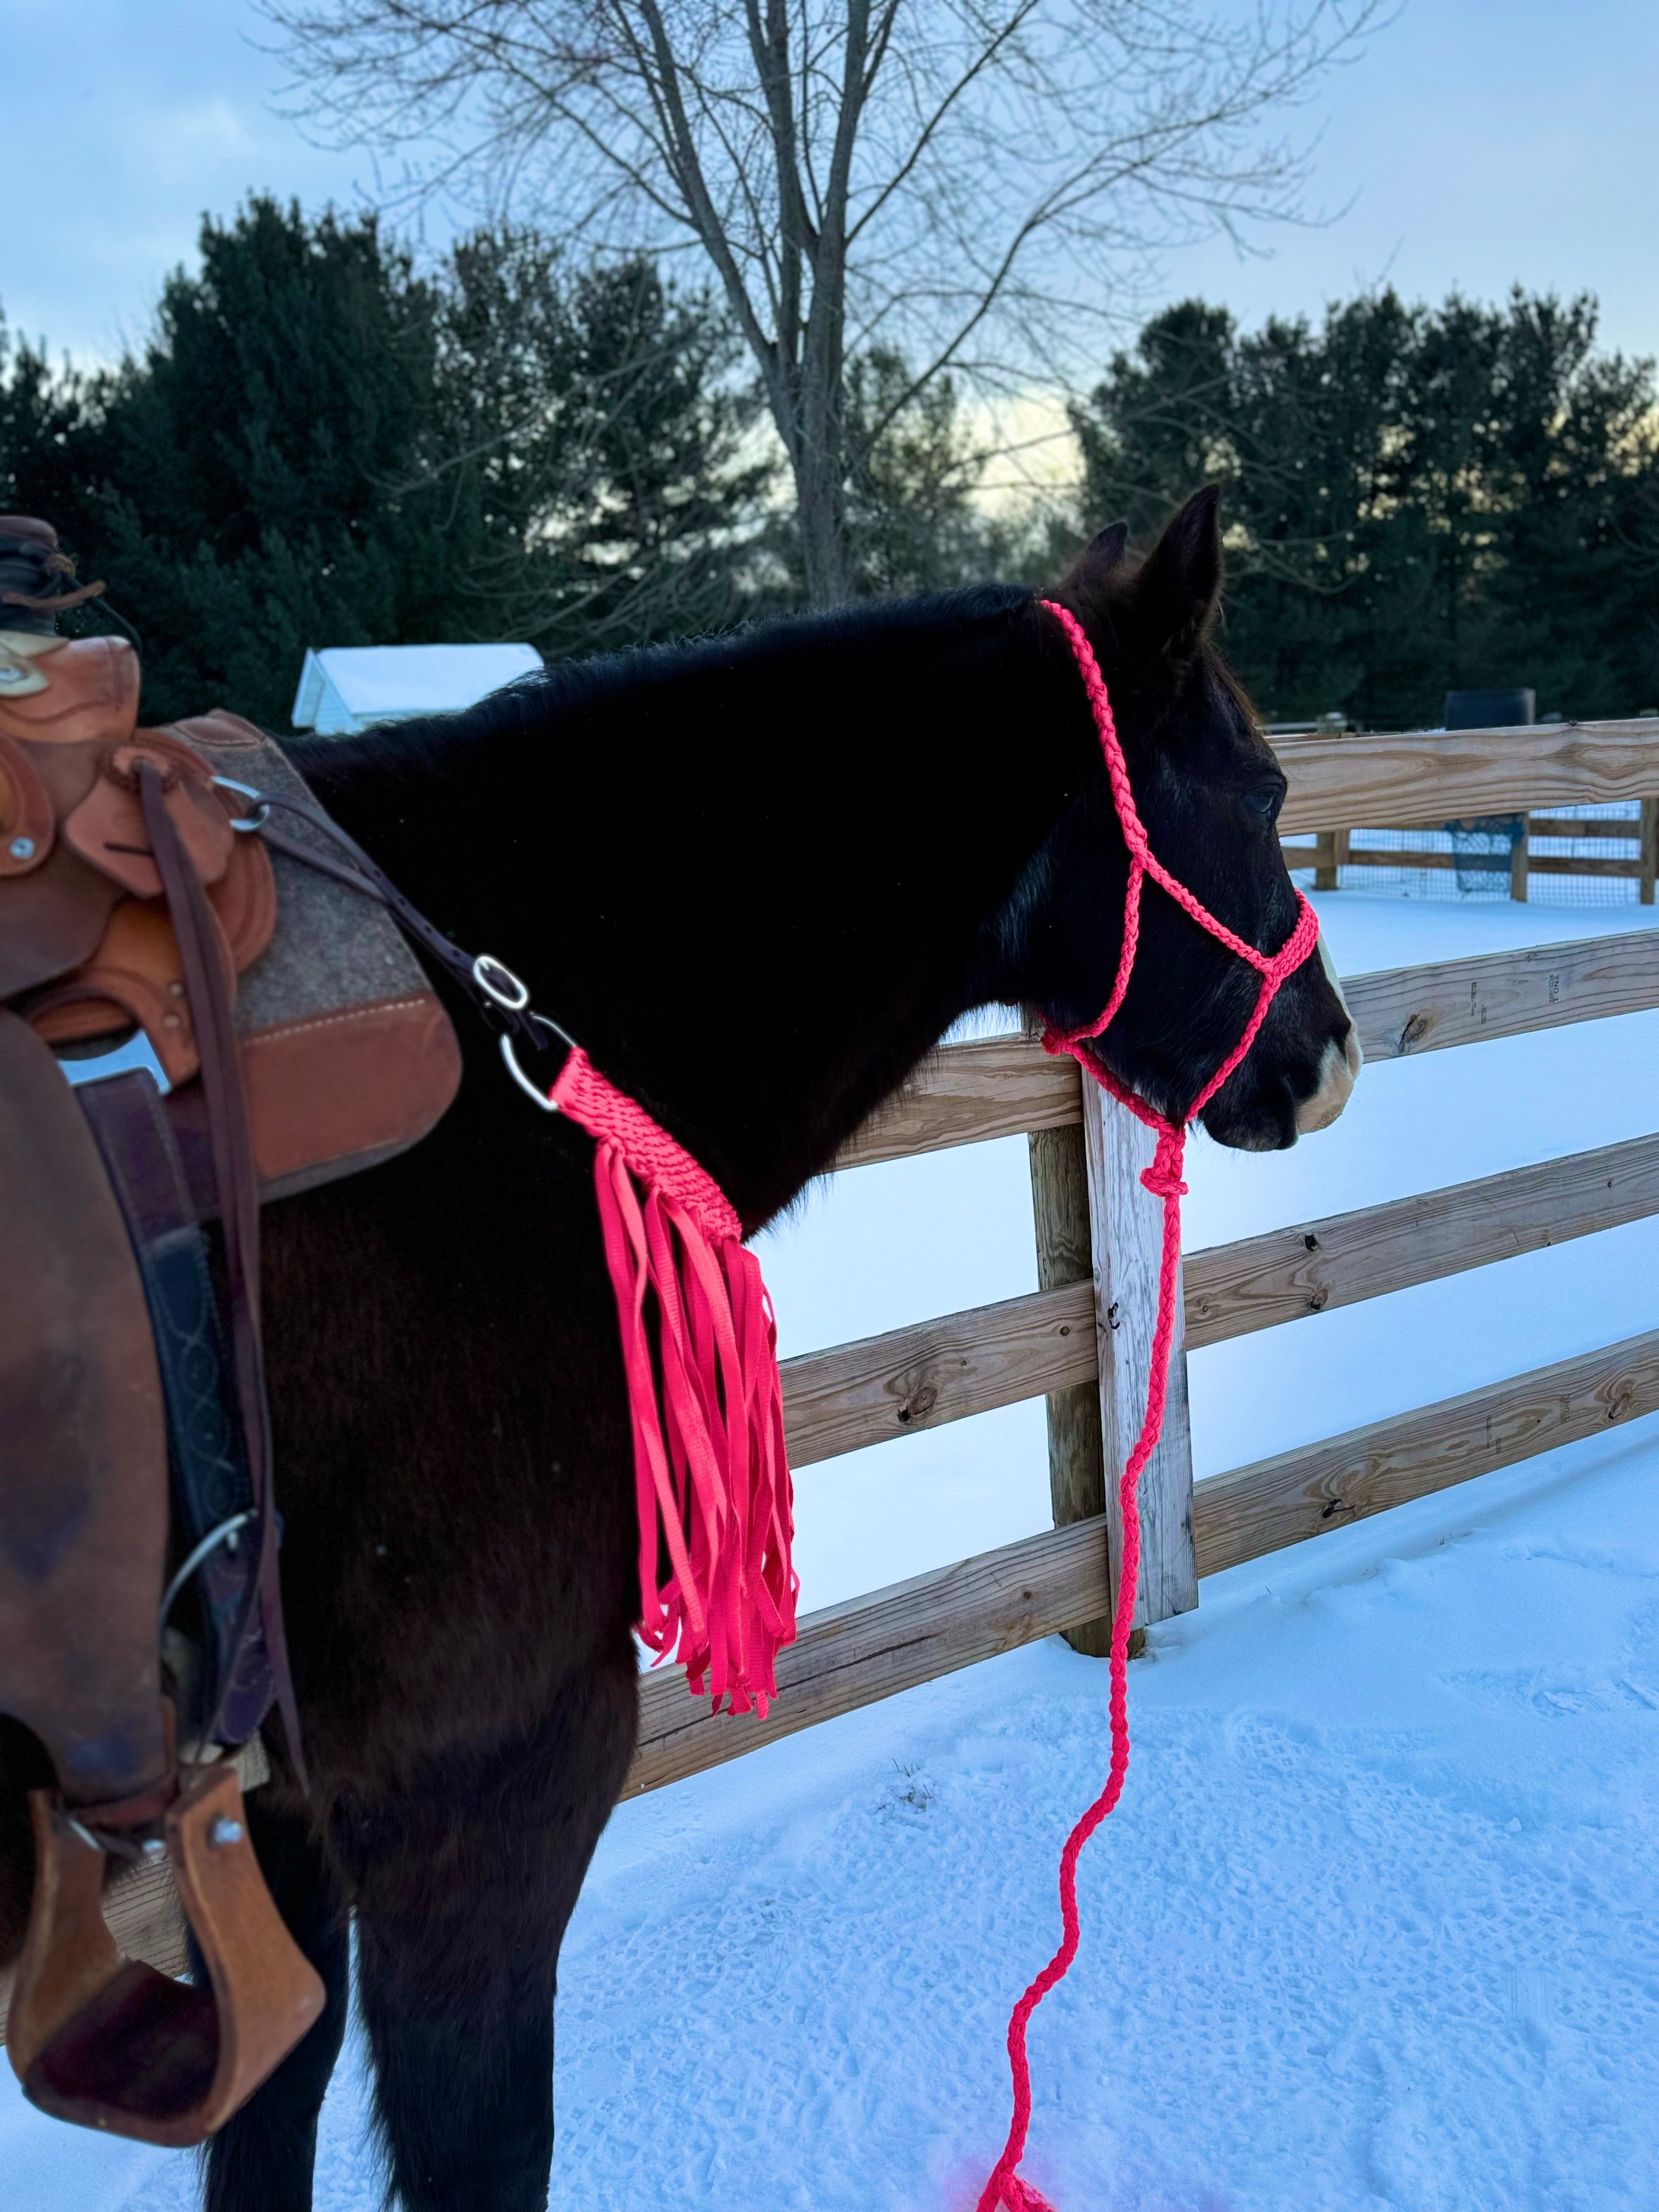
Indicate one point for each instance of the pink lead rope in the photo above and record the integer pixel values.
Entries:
(1163, 1179)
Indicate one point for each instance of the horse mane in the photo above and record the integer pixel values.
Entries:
(778, 646)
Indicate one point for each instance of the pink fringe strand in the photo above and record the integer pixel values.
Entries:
(700, 1352)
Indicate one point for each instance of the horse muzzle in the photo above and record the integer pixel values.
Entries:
(1338, 1068)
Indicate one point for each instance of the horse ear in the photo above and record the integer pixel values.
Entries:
(1179, 582)
(1096, 561)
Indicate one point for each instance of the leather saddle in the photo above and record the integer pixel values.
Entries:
(192, 1023)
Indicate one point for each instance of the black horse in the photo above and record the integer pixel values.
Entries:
(758, 878)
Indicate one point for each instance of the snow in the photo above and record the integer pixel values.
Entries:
(1377, 1922)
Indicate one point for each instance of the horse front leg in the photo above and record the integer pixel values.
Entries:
(261, 2159)
(464, 1888)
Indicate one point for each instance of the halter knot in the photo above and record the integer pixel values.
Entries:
(1162, 1178)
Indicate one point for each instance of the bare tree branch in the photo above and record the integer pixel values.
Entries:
(965, 182)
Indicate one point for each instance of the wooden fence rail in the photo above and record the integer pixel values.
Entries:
(1333, 850)
(1442, 774)
(1002, 1085)
(1081, 1339)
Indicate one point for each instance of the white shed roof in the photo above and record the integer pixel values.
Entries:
(344, 688)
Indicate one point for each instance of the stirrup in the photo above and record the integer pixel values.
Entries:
(109, 2042)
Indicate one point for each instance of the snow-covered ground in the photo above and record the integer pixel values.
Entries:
(1377, 1922)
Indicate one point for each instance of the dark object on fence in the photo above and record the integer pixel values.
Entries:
(1504, 708)
(1484, 845)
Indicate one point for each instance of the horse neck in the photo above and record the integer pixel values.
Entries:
(758, 879)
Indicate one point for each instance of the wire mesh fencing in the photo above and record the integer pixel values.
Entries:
(1478, 860)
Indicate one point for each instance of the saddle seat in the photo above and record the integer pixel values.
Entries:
(345, 1058)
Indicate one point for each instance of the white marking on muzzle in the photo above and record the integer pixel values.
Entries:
(1339, 1071)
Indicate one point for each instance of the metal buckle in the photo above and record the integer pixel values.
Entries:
(548, 1105)
(249, 823)
(136, 1057)
(225, 1533)
(514, 997)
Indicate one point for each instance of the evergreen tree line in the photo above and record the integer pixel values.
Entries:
(1418, 500)
(323, 445)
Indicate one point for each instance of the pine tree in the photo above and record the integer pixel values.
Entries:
(1418, 499)
(321, 446)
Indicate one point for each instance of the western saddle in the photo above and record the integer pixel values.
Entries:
(199, 1013)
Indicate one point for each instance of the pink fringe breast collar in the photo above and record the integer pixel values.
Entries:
(700, 1351)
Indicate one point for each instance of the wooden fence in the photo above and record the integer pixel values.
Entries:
(1333, 848)
(1081, 1339)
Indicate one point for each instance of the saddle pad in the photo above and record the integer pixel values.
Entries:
(348, 1056)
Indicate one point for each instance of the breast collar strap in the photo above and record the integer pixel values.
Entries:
(1164, 1180)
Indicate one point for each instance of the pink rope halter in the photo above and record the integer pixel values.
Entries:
(1163, 1179)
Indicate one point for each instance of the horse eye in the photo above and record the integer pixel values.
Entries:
(1264, 803)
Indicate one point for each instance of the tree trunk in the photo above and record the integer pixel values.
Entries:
(821, 511)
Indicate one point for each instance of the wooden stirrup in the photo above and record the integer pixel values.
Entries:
(110, 2043)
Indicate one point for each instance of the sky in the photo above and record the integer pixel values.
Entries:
(1476, 144)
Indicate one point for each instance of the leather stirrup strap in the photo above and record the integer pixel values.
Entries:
(211, 1486)
(239, 1213)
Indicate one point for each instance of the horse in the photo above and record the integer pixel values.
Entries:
(758, 876)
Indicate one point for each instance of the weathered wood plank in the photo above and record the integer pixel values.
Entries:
(1410, 1010)
(851, 1655)
(994, 1087)
(1625, 828)
(945, 1370)
(1540, 864)
(1007, 1084)
(1297, 1494)
(1076, 1465)
(1594, 864)
(1314, 1267)
(1435, 775)
(913, 1378)
(1367, 856)
(1128, 1236)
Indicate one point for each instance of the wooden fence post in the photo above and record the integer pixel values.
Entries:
(1650, 865)
(1076, 1471)
(1126, 1226)
(1520, 855)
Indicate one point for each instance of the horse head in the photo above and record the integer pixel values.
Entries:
(1208, 789)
